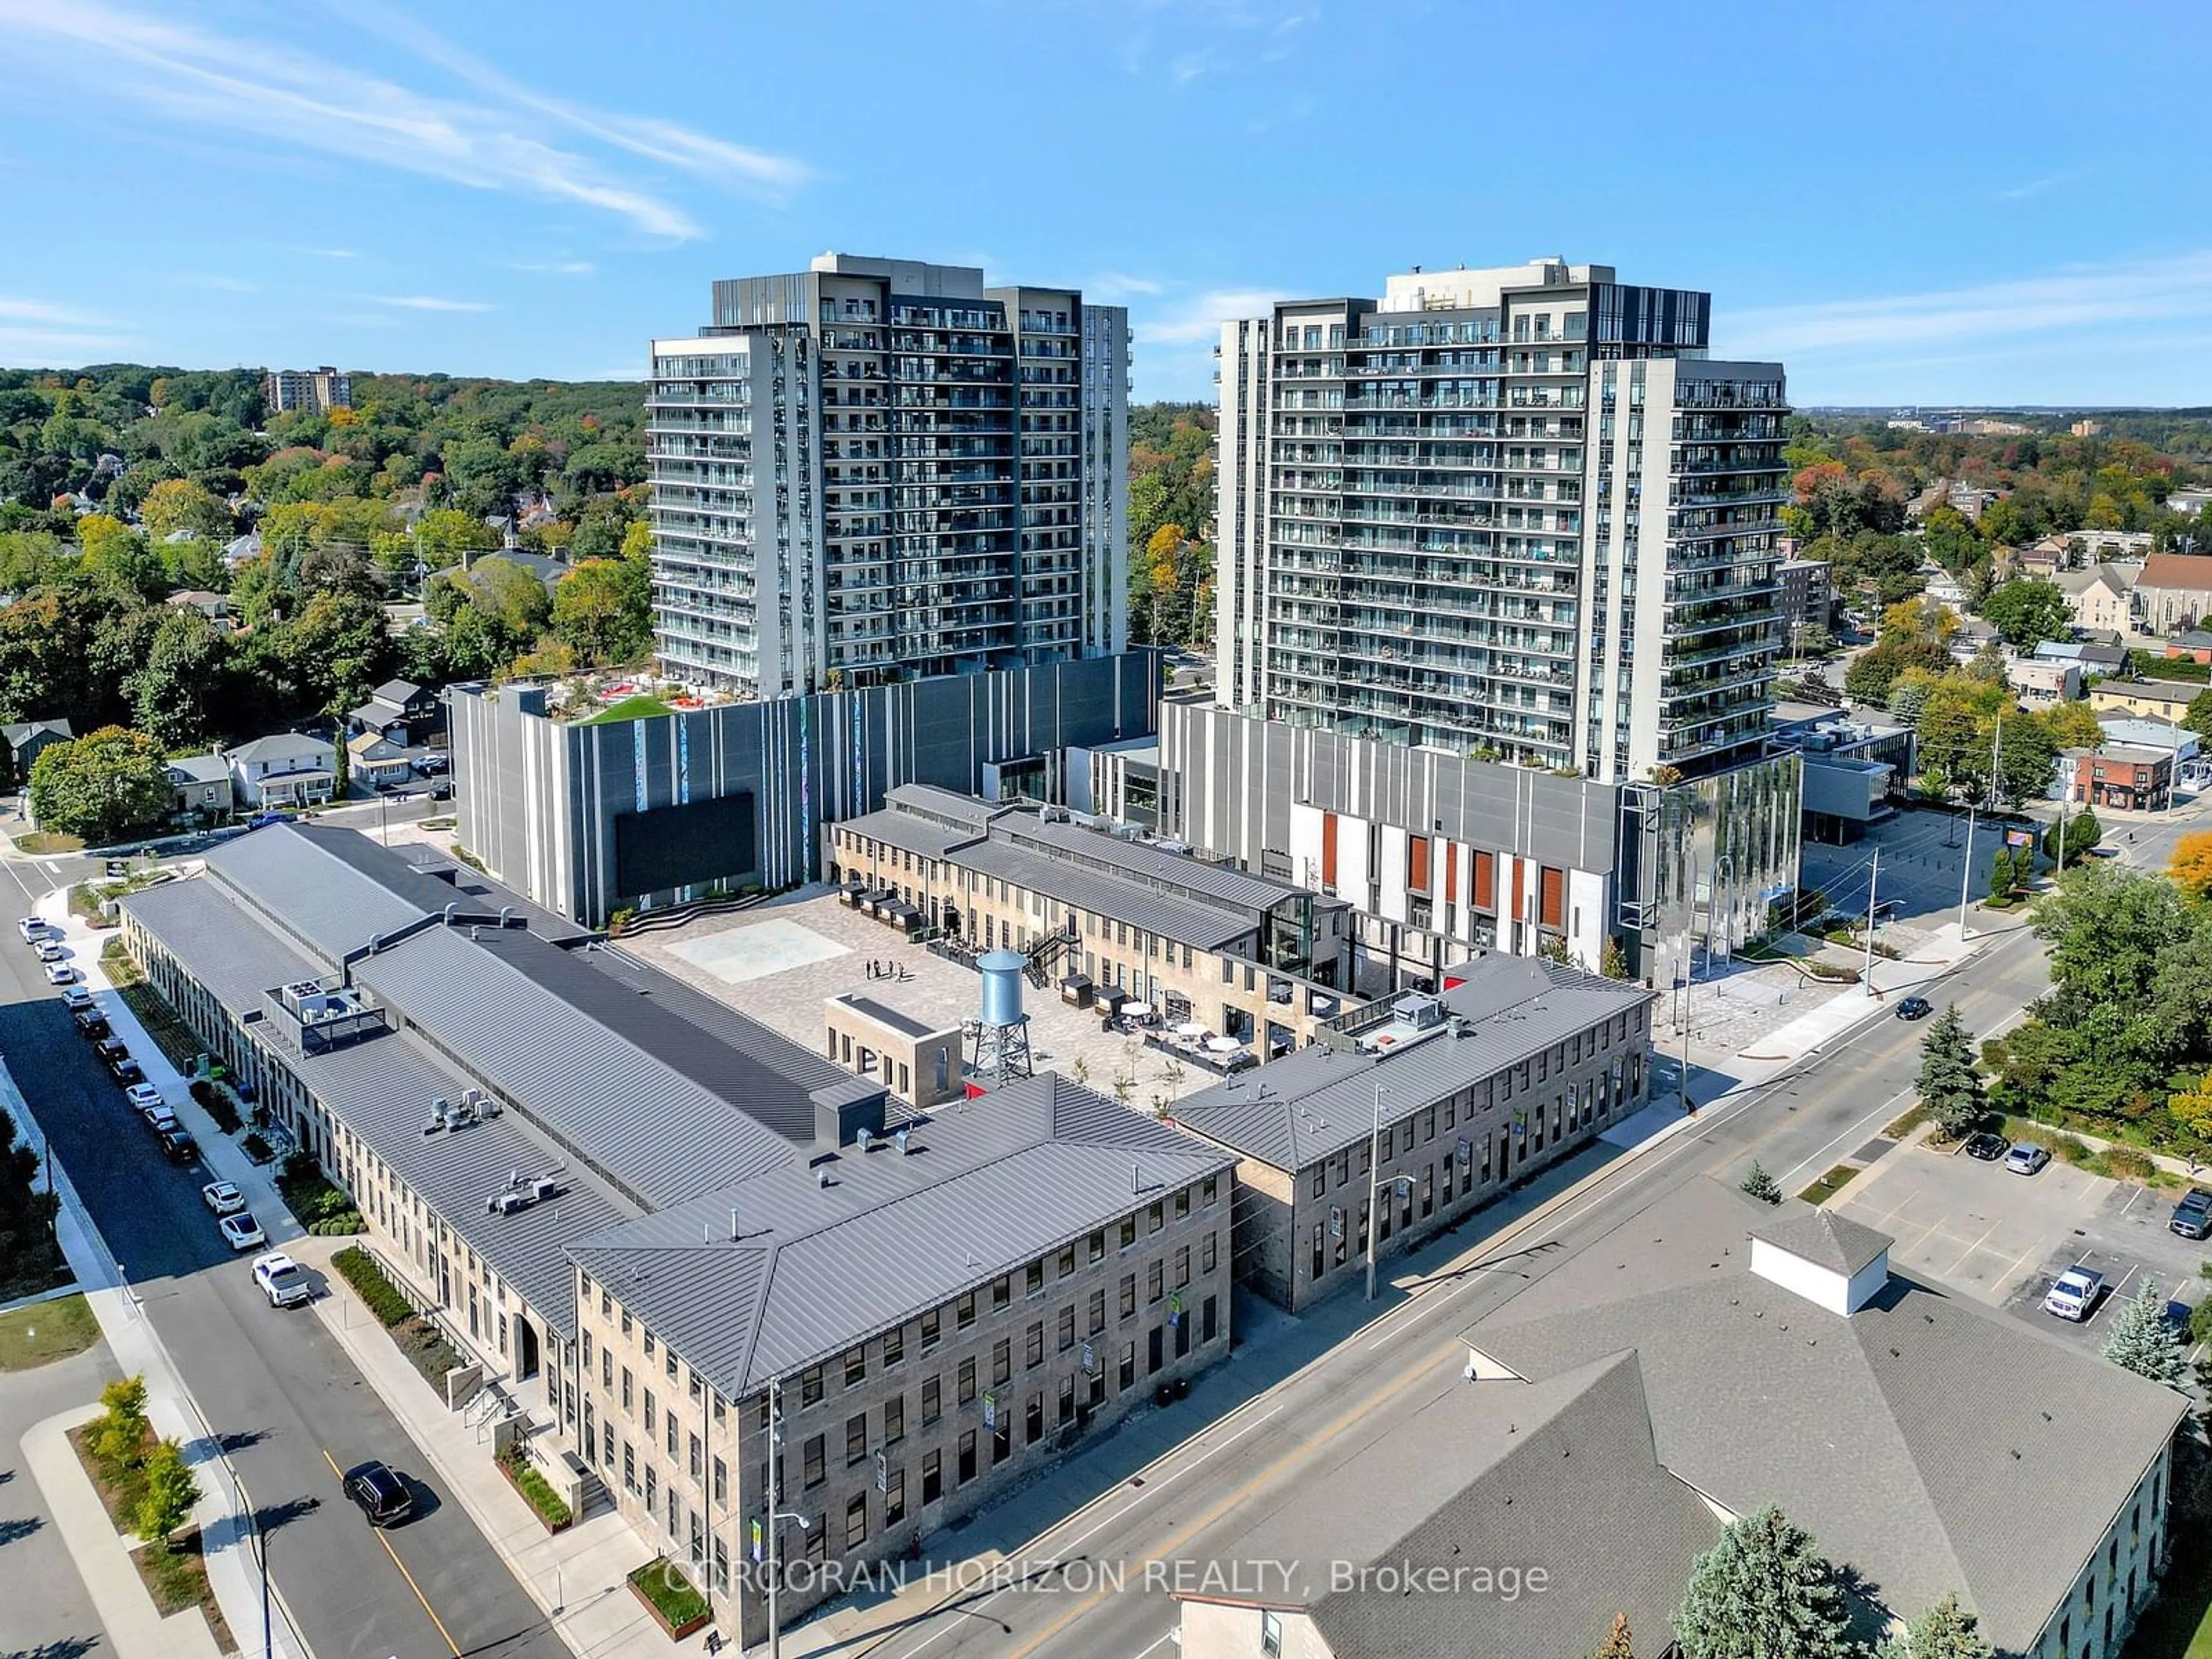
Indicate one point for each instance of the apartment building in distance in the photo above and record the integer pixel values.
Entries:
(316, 391)
(647, 1217)
(1252, 957)
(1516, 1065)
(876, 469)
(1512, 512)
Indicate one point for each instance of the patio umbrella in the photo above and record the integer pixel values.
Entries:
(1191, 1027)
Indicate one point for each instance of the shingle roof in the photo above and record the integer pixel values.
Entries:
(199, 768)
(1561, 1475)
(989, 1185)
(397, 692)
(2189, 572)
(1312, 1104)
(281, 745)
(18, 732)
(1823, 1238)
(1879, 1432)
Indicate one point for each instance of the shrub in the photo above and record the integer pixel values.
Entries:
(2128, 1165)
(537, 1491)
(359, 1270)
(257, 1149)
(2071, 1149)
(672, 1595)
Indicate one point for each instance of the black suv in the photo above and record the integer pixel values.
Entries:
(178, 1146)
(380, 1495)
(90, 1022)
(2192, 1217)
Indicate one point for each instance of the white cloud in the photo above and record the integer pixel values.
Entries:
(1200, 318)
(2084, 295)
(222, 284)
(285, 97)
(332, 252)
(39, 334)
(558, 267)
(1113, 287)
(2035, 187)
(39, 311)
(428, 302)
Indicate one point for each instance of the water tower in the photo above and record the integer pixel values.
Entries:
(1000, 1034)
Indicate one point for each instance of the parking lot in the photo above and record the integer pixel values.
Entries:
(1976, 1229)
(1922, 855)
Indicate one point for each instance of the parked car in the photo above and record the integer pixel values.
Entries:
(281, 1280)
(2192, 1217)
(177, 1146)
(223, 1198)
(1915, 1008)
(75, 998)
(60, 973)
(50, 949)
(144, 1095)
(91, 1023)
(162, 1121)
(2026, 1158)
(33, 928)
(242, 1232)
(125, 1072)
(110, 1050)
(2073, 1295)
(379, 1494)
(263, 820)
(1986, 1147)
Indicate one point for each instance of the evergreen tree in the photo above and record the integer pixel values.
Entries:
(1950, 1086)
(2001, 874)
(2142, 1342)
(1946, 1630)
(1761, 1185)
(1763, 1592)
(1617, 1646)
(1612, 961)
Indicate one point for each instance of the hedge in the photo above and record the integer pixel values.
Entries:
(539, 1491)
(381, 1295)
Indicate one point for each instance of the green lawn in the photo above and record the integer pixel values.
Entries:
(2179, 1625)
(47, 1331)
(1828, 1185)
(43, 841)
(641, 707)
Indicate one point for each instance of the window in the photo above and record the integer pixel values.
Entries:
(967, 1380)
(856, 1438)
(1002, 1360)
(627, 1402)
(894, 1498)
(1002, 1292)
(668, 1421)
(929, 1329)
(894, 1348)
(810, 1386)
(856, 1367)
(815, 1460)
(1320, 1179)
(1156, 1218)
(1271, 1634)
(1207, 1191)
(933, 1477)
(1182, 1266)
(721, 1488)
(1182, 1203)
(1066, 1259)
(1128, 1294)
(963, 1310)
(1155, 1281)
(1033, 1279)
(893, 1419)
(698, 1458)
(1067, 1328)
(1033, 1350)
(1206, 1253)
(1097, 1249)
(932, 1402)
(817, 1541)
(1098, 1319)
(1128, 1231)
(630, 1468)
(649, 1413)
(964, 1471)
(856, 1520)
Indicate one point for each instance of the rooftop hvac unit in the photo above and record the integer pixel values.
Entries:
(541, 1189)
(862, 1137)
(457, 1116)
(504, 1204)
(903, 1136)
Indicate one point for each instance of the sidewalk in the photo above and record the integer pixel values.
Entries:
(224, 1511)
(576, 1576)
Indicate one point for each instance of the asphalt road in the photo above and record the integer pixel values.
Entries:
(1254, 1447)
(272, 1384)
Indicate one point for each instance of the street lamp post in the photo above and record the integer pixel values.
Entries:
(776, 1517)
(1375, 1190)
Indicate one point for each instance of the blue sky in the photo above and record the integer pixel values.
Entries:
(1906, 203)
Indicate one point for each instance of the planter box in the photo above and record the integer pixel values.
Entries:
(675, 1632)
(507, 1470)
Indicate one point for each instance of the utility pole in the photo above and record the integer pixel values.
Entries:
(1375, 1189)
(1965, 869)
(1874, 879)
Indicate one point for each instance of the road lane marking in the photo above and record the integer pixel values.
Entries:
(377, 1532)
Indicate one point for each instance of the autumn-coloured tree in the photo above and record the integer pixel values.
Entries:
(2191, 866)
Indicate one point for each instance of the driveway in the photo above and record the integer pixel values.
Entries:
(45, 1610)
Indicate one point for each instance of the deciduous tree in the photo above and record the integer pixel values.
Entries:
(2027, 610)
(101, 786)
(2190, 866)
(171, 1492)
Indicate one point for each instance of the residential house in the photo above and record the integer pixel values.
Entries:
(2175, 592)
(2136, 780)
(2095, 658)
(202, 786)
(286, 769)
(2196, 645)
(2166, 700)
(215, 607)
(374, 760)
(2188, 501)
(27, 739)
(2039, 681)
(398, 709)
(2103, 596)
(237, 552)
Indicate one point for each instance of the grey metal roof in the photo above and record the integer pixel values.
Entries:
(1879, 1432)
(646, 1127)
(1834, 1242)
(311, 879)
(383, 1087)
(1187, 921)
(1314, 1103)
(989, 1185)
(397, 692)
(908, 833)
(1135, 861)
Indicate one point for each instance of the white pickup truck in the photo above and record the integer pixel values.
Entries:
(281, 1279)
(2073, 1295)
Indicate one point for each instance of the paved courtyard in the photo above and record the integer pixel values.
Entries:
(779, 961)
